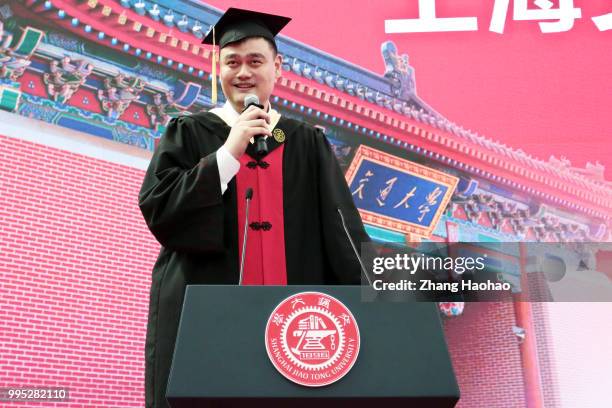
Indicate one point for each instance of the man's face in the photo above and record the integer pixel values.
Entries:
(249, 67)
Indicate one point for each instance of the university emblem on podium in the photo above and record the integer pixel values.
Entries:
(312, 339)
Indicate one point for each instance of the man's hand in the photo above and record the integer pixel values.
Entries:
(250, 123)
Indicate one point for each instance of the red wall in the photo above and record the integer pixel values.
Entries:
(75, 261)
(486, 356)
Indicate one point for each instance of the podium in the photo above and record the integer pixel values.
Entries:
(220, 357)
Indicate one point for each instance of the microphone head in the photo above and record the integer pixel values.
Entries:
(251, 99)
(249, 193)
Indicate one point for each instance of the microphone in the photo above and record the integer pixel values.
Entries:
(363, 269)
(261, 146)
(248, 196)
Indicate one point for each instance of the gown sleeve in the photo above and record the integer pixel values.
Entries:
(334, 194)
(180, 197)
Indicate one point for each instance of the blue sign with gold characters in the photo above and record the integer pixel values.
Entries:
(398, 194)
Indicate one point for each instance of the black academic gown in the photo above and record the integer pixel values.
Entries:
(196, 225)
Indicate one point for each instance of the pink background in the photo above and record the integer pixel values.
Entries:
(548, 94)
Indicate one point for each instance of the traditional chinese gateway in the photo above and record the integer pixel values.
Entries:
(87, 88)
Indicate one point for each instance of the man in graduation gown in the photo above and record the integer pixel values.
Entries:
(193, 195)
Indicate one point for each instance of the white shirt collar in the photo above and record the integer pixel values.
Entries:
(230, 112)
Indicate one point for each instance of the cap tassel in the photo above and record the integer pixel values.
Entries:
(214, 71)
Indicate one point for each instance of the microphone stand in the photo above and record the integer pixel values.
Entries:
(363, 269)
(249, 195)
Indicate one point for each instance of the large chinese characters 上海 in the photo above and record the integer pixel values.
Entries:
(553, 16)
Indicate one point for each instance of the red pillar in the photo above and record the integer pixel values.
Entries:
(528, 348)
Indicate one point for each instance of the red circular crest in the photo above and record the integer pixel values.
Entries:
(312, 339)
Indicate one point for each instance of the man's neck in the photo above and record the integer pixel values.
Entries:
(229, 114)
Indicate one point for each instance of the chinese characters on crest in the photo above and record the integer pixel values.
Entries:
(431, 198)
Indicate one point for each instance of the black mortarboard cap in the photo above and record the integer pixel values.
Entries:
(238, 24)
